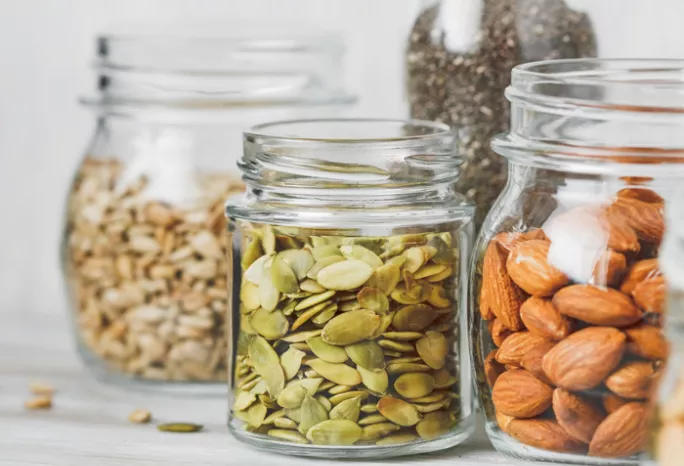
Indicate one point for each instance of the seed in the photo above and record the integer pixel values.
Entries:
(385, 322)
(243, 400)
(443, 379)
(288, 435)
(326, 351)
(39, 402)
(337, 389)
(433, 397)
(327, 385)
(322, 252)
(339, 398)
(373, 299)
(396, 345)
(360, 253)
(414, 384)
(325, 315)
(270, 325)
(438, 297)
(294, 414)
(395, 439)
(313, 300)
(341, 374)
(415, 259)
(418, 293)
(321, 264)
(386, 278)
(376, 381)
(251, 253)
(403, 367)
(428, 408)
(372, 419)
(292, 396)
(270, 419)
(351, 327)
(405, 359)
(301, 336)
(349, 409)
(268, 293)
(299, 260)
(311, 374)
(346, 275)
(259, 388)
(446, 273)
(291, 361)
(309, 313)
(369, 409)
(256, 270)
(433, 348)
(254, 416)
(324, 402)
(312, 413)
(179, 427)
(414, 318)
(367, 354)
(41, 389)
(434, 425)
(334, 432)
(429, 270)
(376, 431)
(282, 276)
(398, 411)
(266, 364)
(311, 286)
(285, 423)
(403, 336)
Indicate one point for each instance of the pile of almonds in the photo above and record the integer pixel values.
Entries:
(576, 364)
(148, 279)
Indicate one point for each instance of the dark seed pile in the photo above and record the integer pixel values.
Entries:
(466, 89)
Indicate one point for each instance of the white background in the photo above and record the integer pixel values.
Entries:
(45, 47)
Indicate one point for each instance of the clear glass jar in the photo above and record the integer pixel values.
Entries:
(349, 252)
(144, 241)
(566, 298)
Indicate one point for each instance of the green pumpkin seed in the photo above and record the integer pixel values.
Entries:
(256, 270)
(292, 396)
(334, 432)
(374, 300)
(294, 414)
(385, 322)
(254, 416)
(403, 367)
(344, 296)
(268, 240)
(267, 401)
(305, 316)
(399, 261)
(288, 435)
(431, 398)
(283, 277)
(446, 273)
(300, 346)
(321, 252)
(442, 245)
(285, 423)
(339, 373)
(337, 399)
(300, 337)
(399, 411)
(376, 431)
(403, 336)
(311, 286)
(325, 315)
(245, 326)
(243, 400)
(414, 318)
(376, 381)
(251, 253)
(312, 413)
(414, 384)
(433, 349)
(443, 379)
(350, 306)
(321, 264)
(289, 308)
(369, 409)
(367, 354)
(409, 282)
(268, 293)
(249, 295)
(291, 362)
(324, 402)
(349, 409)
(415, 259)
(345, 275)
(267, 364)
(351, 327)
(372, 419)
(337, 389)
(270, 419)
(299, 260)
(432, 407)
(314, 300)
(311, 374)
(326, 351)
(429, 270)
(270, 325)
(244, 381)
(414, 295)
(438, 297)
(360, 253)
(386, 278)
(260, 387)
(396, 345)
(396, 439)
(180, 427)
(327, 385)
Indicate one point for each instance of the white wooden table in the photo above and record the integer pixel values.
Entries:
(88, 426)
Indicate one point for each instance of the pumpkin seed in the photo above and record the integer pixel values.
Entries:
(312, 374)
(292, 396)
(321, 252)
(291, 361)
(351, 327)
(289, 308)
(431, 398)
(180, 427)
(268, 239)
(399, 411)
(396, 345)
(314, 300)
(251, 253)
(397, 260)
(267, 364)
(260, 387)
(327, 385)
(376, 431)
(345, 275)
(324, 402)
(270, 325)
(400, 438)
(403, 367)
(301, 336)
(326, 351)
(285, 423)
(369, 409)
(311, 286)
(409, 282)
(429, 270)
(270, 419)
(403, 336)
(349, 409)
(367, 354)
(325, 315)
(244, 381)
(385, 322)
(373, 299)
(318, 241)
(431, 407)
(294, 414)
(372, 419)
(362, 254)
(339, 373)
(415, 259)
(255, 271)
(282, 276)
(267, 401)
(288, 435)
(386, 278)
(414, 384)
(337, 389)
(350, 306)
(249, 295)
(433, 348)
(334, 432)
(321, 264)
(268, 293)
(299, 260)
(414, 318)
(446, 273)
(243, 400)
(418, 293)
(254, 416)
(305, 316)
(443, 379)
(337, 399)
(376, 381)
(245, 326)
(438, 297)
(312, 413)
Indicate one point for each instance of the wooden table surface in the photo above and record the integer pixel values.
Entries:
(88, 426)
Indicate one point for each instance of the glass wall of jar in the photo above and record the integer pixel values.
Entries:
(349, 252)
(566, 298)
(144, 240)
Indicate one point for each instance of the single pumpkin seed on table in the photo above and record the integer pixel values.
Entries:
(342, 339)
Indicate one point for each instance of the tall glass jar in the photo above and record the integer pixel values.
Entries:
(144, 237)
(566, 299)
(349, 253)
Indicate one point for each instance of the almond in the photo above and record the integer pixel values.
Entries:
(633, 380)
(622, 433)
(646, 341)
(521, 395)
(545, 434)
(542, 318)
(530, 270)
(499, 332)
(578, 416)
(598, 306)
(532, 361)
(508, 240)
(611, 402)
(639, 272)
(503, 421)
(493, 369)
(486, 310)
(641, 194)
(644, 218)
(621, 237)
(518, 345)
(649, 295)
(503, 295)
(585, 358)
(609, 269)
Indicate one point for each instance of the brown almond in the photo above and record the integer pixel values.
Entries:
(508, 240)
(503, 421)
(577, 415)
(492, 368)
(649, 295)
(598, 306)
(503, 295)
(639, 272)
(521, 395)
(641, 194)
(646, 341)
(585, 358)
(499, 332)
(623, 433)
(609, 269)
(632, 381)
(611, 402)
(530, 270)
(542, 318)
(545, 434)
(621, 237)
(518, 345)
(486, 310)
(532, 360)
(646, 219)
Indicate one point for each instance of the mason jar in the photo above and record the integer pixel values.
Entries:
(348, 251)
(144, 243)
(566, 295)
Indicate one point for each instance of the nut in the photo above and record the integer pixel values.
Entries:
(598, 306)
(649, 295)
(527, 265)
(503, 295)
(632, 381)
(639, 272)
(519, 394)
(623, 433)
(140, 416)
(577, 415)
(39, 402)
(515, 347)
(544, 433)
(647, 342)
(541, 317)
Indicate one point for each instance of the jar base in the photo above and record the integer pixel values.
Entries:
(271, 445)
(525, 455)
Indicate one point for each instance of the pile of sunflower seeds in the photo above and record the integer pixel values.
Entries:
(465, 88)
(347, 340)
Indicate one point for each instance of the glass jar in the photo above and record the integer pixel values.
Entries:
(566, 298)
(349, 252)
(144, 241)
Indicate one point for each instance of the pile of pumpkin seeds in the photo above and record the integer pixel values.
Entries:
(347, 340)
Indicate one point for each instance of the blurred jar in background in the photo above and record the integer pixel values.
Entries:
(144, 243)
